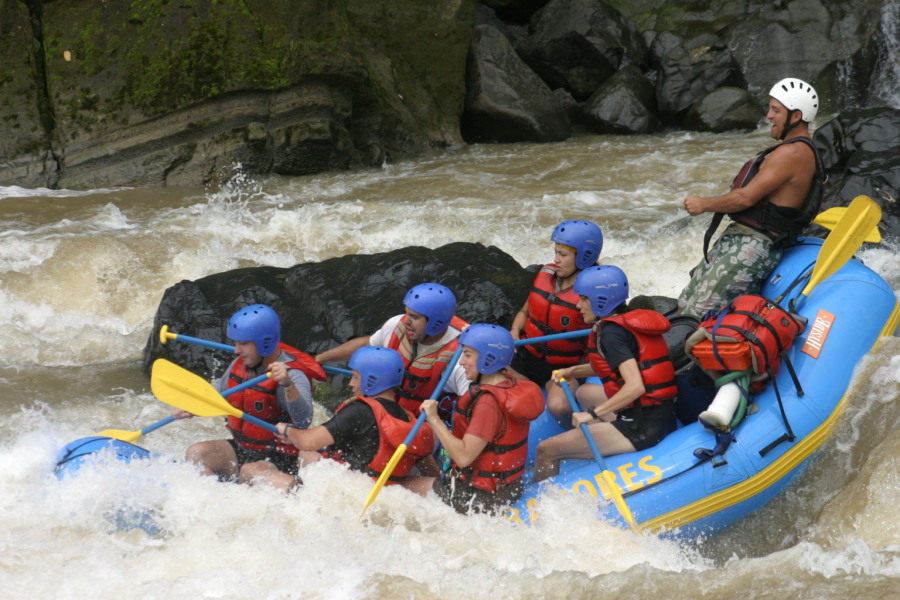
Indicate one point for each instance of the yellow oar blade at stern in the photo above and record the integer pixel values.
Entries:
(831, 217)
(845, 239)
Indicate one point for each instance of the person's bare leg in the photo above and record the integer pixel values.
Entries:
(217, 457)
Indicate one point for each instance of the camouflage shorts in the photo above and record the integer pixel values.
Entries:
(739, 263)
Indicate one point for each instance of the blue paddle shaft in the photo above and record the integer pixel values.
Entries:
(217, 346)
(584, 428)
(440, 386)
(157, 425)
(554, 336)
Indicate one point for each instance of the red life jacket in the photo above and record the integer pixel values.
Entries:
(550, 313)
(261, 401)
(657, 371)
(503, 460)
(391, 433)
(424, 372)
(750, 332)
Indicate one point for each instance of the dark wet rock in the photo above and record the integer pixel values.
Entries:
(689, 70)
(861, 150)
(724, 109)
(624, 104)
(579, 44)
(505, 100)
(325, 304)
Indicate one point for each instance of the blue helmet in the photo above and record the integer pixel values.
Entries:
(493, 343)
(379, 369)
(258, 324)
(584, 236)
(605, 287)
(436, 302)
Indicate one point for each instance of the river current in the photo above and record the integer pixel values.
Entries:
(81, 275)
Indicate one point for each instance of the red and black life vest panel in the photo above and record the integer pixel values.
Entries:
(657, 371)
(392, 432)
(550, 313)
(261, 401)
(503, 460)
(781, 221)
(423, 372)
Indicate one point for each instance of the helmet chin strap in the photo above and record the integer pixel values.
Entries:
(788, 125)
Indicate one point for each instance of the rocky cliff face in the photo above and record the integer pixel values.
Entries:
(153, 92)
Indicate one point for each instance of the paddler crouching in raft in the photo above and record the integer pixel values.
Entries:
(253, 451)
(552, 308)
(426, 335)
(366, 429)
(634, 409)
(489, 442)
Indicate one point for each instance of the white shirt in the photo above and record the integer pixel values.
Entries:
(457, 382)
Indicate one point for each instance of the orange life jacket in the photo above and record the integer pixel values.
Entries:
(261, 401)
(423, 372)
(550, 313)
(391, 433)
(657, 371)
(503, 460)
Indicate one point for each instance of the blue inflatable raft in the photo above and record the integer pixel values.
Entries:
(667, 487)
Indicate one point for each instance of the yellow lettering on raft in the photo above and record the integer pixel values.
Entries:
(644, 464)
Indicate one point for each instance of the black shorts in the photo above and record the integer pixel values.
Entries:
(533, 367)
(285, 463)
(658, 421)
(466, 498)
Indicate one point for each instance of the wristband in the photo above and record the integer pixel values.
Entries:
(287, 385)
(593, 412)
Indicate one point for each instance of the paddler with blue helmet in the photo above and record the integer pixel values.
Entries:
(772, 199)
(366, 430)
(253, 451)
(634, 408)
(488, 445)
(426, 335)
(551, 308)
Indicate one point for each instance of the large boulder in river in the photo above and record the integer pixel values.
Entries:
(861, 151)
(579, 44)
(624, 104)
(689, 69)
(724, 109)
(505, 100)
(325, 304)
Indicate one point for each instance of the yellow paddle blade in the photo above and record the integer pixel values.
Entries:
(619, 501)
(120, 434)
(832, 217)
(385, 475)
(182, 389)
(845, 239)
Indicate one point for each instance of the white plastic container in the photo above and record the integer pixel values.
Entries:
(721, 411)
